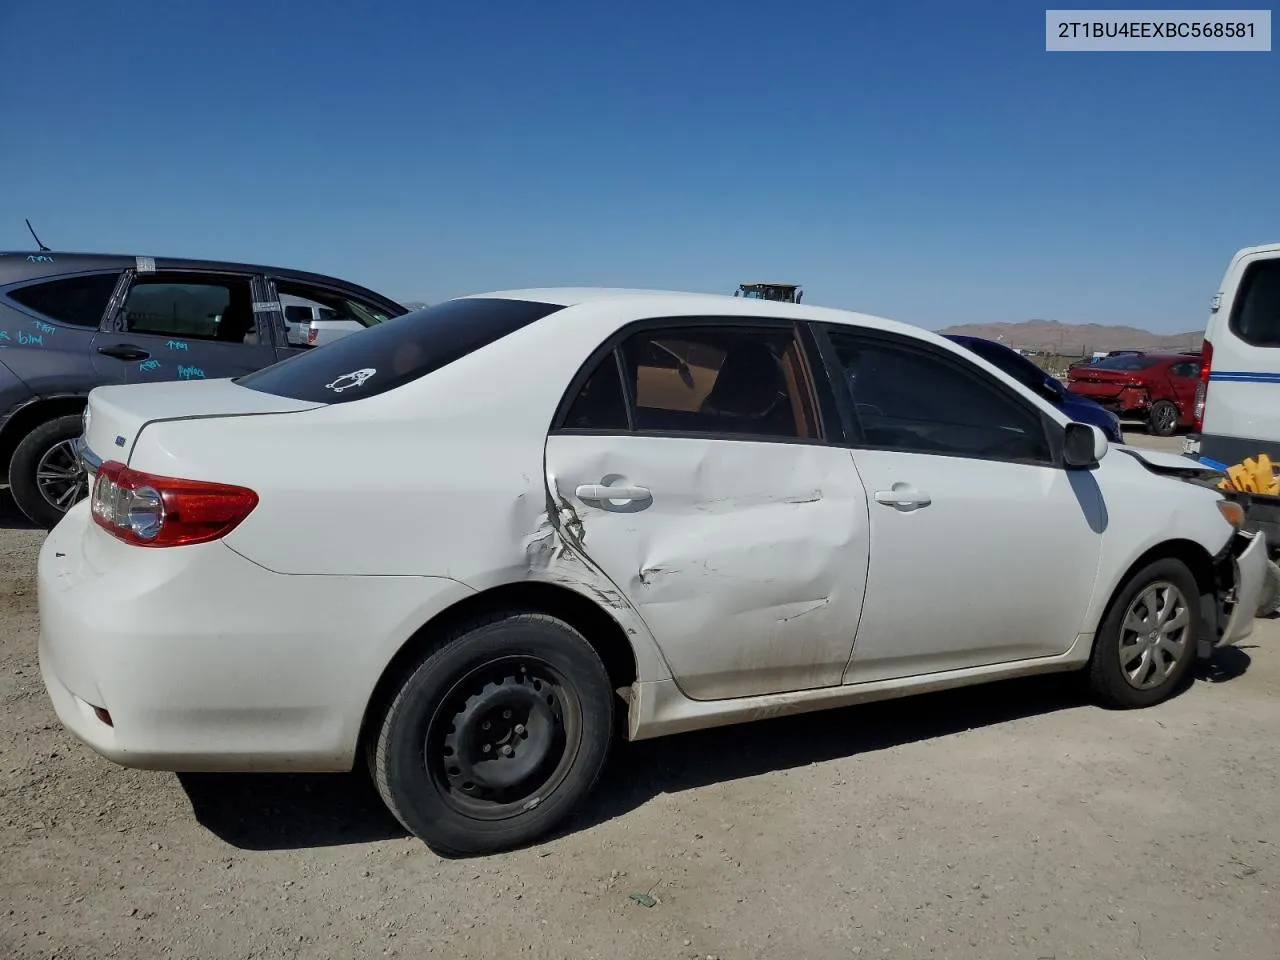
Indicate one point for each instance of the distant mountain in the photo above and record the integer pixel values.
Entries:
(1078, 339)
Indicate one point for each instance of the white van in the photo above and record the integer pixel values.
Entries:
(1237, 408)
(1237, 405)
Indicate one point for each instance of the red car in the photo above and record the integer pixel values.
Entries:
(1159, 388)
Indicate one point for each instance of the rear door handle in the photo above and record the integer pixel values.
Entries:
(904, 497)
(598, 492)
(124, 351)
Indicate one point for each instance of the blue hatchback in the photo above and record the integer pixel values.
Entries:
(1080, 409)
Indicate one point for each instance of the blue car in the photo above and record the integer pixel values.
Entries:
(1080, 409)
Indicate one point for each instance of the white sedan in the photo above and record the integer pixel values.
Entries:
(467, 542)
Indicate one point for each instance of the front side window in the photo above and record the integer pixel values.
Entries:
(79, 301)
(1255, 315)
(207, 309)
(910, 399)
(390, 354)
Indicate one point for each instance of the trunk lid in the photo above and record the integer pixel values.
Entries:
(116, 415)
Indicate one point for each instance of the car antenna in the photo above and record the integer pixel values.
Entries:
(39, 242)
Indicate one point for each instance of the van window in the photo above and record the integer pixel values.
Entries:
(1255, 315)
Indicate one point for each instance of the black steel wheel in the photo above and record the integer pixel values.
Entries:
(496, 736)
(508, 731)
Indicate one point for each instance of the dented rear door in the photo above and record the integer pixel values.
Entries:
(747, 561)
(746, 557)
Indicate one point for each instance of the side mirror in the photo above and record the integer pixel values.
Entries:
(1083, 445)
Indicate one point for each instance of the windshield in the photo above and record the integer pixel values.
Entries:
(1128, 362)
(1014, 364)
(396, 351)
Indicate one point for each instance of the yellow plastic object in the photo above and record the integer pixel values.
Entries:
(1252, 476)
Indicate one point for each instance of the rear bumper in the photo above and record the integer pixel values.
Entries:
(1129, 401)
(205, 661)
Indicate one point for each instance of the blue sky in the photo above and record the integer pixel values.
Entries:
(928, 162)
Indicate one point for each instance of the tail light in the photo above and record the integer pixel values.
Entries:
(151, 511)
(311, 334)
(1202, 387)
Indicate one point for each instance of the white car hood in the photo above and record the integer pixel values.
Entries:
(1164, 462)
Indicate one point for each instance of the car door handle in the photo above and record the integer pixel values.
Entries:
(598, 491)
(903, 496)
(125, 351)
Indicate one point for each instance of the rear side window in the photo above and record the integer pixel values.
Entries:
(79, 301)
(391, 354)
(1255, 316)
(731, 382)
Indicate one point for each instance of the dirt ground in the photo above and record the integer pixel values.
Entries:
(1007, 821)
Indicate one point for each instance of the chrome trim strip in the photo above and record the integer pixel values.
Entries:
(88, 459)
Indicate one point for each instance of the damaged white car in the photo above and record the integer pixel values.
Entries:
(471, 541)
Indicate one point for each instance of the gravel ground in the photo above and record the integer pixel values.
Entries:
(1007, 821)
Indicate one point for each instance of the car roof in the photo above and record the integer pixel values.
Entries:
(16, 265)
(683, 303)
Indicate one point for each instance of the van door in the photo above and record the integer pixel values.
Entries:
(1242, 401)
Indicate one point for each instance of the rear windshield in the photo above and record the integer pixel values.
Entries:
(1255, 318)
(391, 354)
(1125, 363)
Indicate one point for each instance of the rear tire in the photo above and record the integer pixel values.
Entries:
(496, 736)
(1149, 638)
(1162, 418)
(44, 471)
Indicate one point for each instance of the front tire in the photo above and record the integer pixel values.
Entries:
(496, 736)
(1162, 418)
(1148, 639)
(45, 476)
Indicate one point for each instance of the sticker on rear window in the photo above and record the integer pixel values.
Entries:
(355, 378)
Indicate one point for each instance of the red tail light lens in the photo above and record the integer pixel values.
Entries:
(1202, 387)
(311, 335)
(151, 511)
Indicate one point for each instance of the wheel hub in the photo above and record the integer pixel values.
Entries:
(60, 478)
(502, 738)
(1154, 635)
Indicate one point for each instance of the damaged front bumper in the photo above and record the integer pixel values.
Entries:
(1243, 572)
